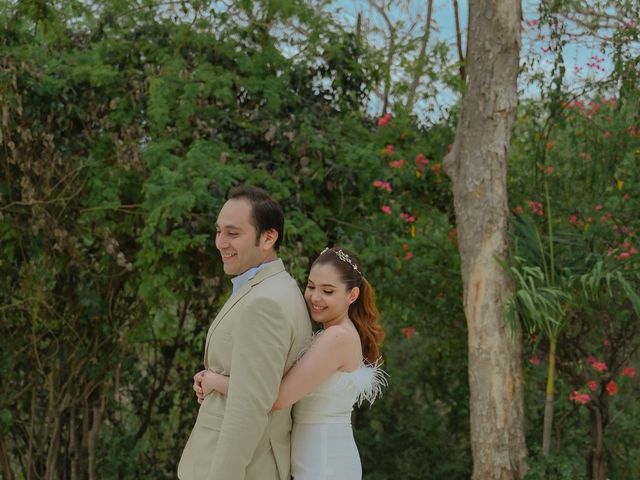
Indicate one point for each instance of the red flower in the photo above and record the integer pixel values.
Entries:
(408, 217)
(386, 209)
(389, 149)
(382, 185)
(383, 120)
(549, 145)
(535, 360)
(548, 170)
(537, 208)
(408, 332)
(573, 219)
(396, 163)
(605, 342)
(628, 372)
(579, 397)
(421, 161)
(593, 385)
(612, 388)
(599, 366)
(436, 168)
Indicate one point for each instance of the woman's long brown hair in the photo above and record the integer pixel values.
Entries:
(363, 312)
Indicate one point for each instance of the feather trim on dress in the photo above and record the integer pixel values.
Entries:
(371, 380)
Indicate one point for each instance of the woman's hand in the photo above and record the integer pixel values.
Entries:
(211, 381)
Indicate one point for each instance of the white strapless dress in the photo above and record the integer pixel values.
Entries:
(322, 443)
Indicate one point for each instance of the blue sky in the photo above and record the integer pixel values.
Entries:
(578, 53)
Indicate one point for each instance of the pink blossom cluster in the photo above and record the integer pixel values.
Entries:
(627, 251)
(596, 364)
(421, 162)
(537, 208)
(596, 63)
(382, 185)
(408, 217)
(408, 254)
(397, 163)
(582, 398)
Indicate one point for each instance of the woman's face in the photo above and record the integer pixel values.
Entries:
(327, 295)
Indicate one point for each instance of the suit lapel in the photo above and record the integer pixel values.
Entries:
(273, 268)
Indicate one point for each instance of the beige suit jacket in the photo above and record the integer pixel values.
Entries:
(254, 339)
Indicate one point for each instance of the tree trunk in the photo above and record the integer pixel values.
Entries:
(548, 407)
(596, 460)
(477, 166)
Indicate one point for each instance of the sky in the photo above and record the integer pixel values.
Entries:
(583, 59)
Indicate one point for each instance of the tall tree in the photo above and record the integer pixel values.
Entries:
(477, 165)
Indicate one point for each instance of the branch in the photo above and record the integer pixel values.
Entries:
(422, 57)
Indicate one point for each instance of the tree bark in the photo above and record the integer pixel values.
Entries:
(477, 166)
(596, 460)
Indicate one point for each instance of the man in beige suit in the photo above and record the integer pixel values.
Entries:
(254, 339)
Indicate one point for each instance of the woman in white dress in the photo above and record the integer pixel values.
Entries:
(338, 370)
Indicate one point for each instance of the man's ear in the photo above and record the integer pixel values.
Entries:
(270, 238)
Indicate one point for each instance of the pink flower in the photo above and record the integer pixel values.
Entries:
(408, 217)
(533, 23)
(628, 372)
(593, 385)
(579, 397)
(591, 359)
(386, 209)
(408, 256)
(408, 332)
(396, 163)
(605, 342)
(382, 185)
(383, 120)
(389, 149)
(573, 219)
(612, 388)
(421, 162)
(548, 170)
(537, 208)
(599, 366)
(535, 360)
(599, 207)
(624, 256)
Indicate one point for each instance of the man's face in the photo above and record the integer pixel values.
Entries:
(236, 238)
